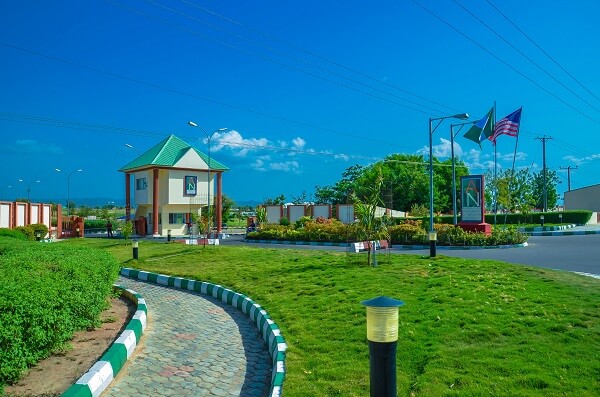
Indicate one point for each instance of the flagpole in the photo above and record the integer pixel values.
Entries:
(512, 172)
(495, 168)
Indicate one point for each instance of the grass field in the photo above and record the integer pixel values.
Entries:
(469, 328)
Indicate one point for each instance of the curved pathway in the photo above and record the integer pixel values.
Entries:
(194, 345)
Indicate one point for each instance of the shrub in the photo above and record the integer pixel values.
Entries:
(12, 233)
(49, 292)
(284, 221)
(94, 224)
(39, 228)
(302, 221)
(27, 231)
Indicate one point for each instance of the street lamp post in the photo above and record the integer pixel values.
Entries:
(208, 139)
(452, 135)
(132, 147)
(462, 116)
(29, 187)
(68, 188)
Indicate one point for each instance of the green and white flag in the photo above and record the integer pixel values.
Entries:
(482, 130)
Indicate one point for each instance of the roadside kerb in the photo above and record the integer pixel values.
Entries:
(567, 233)
(270, 332)
(99, 376)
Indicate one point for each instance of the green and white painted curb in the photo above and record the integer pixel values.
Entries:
(271, 333)
(461, 247)
(290, 242)
(545, 228)
(95, 381)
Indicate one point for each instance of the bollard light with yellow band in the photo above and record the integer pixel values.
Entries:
(382, 334)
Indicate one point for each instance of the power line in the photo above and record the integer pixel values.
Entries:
(187, 94)
(279, 52)
(525, 56)
(38, 120)
(542, 50)
(504, 62)
(265, 58)
(311, 53)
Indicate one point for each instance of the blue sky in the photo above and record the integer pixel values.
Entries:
(307, 89)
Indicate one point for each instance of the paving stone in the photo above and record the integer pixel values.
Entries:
(194, 345)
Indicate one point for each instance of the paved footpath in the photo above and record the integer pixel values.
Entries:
(194, 345)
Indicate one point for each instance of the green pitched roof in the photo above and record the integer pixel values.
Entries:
(167, 153)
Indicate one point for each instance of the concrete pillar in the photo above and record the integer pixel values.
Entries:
(155, 203)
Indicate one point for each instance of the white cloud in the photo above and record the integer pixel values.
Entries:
(342, 156)
(239, 145)
(582, 160)
(298, 143)
(30, 146)
(444, 149)
(286, 166)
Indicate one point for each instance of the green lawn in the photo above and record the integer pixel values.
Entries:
(468, 328)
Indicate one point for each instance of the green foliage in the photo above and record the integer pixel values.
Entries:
(49, 292)
(94, 224)
(418, 210)
(127, 230)
(284, 221)
(302, 221)
(261, 216)
(12, 233)
(39, 228)
(27, 231)
(578, 217)
(279, 200)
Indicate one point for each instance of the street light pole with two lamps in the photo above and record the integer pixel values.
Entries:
(29, 187)
(208, 139)
(432, 234)
(68, 188)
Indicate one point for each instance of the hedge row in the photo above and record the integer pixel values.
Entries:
(25, 232)
(409, 232)
(576, 217)
(48, 292)
(449, 235)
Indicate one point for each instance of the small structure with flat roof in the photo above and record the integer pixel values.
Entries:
(172, 181)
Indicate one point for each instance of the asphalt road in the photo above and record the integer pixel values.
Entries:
(572, 253)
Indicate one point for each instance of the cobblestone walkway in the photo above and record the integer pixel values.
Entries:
(194, 345)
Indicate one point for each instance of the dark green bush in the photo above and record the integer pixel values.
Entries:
(94, 224)
(48, 292)
(27, 231)
(4, 232)
(41, 228)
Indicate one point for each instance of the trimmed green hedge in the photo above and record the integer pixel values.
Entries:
(48, 292)
(12, 233)
(578, 217)
(412, 232)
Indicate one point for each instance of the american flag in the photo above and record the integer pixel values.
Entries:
(507, 126)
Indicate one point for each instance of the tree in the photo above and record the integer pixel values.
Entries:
(551, 192)
(342, 192)
(370, 228)
(279, 200)
(226, 205)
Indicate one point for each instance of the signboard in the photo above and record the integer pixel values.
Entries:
(472, 198)
(190, 185)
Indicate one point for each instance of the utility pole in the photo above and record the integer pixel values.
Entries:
(569, 168)
(544, 139)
